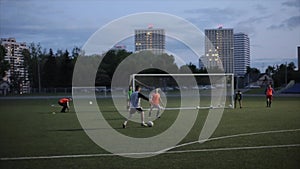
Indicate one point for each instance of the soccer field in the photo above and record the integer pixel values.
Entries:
(32, 136)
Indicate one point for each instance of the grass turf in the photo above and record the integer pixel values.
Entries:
(29, 128)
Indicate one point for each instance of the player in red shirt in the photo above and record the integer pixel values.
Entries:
(269, 95)
(64, 102)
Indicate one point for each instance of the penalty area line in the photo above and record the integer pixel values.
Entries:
(169, 150)
(233, 148)
(150, 153)
(229, 136)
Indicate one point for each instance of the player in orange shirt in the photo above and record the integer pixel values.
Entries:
(155, 101)
(64, 102)
(269, 95)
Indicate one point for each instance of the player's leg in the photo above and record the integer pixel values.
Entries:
(270, 101)
(63, 110)
(240, 103)
(128, 105)
(234, 103)
(140, 110)
(142, 119)
(150, 111)
(131, 112)
(158, 111)
(267, 101)
(59, 103)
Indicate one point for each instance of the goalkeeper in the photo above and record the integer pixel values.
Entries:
(135, 106)
(238, 97)
(155, 101)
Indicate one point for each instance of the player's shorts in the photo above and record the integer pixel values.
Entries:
(133, 110)
(62, 104)
(269, 97)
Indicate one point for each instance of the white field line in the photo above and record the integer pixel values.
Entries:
(170, 152)
(230, 136)
(188, 108)
(149, 153)
(234, 148)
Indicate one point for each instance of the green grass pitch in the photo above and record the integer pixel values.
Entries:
(28, 128)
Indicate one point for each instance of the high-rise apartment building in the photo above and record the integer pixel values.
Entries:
(241, 53)
(150, 39)
(18, 73)
(219, 49)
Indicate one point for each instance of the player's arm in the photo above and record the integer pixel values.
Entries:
(143, 97)
(68, 105)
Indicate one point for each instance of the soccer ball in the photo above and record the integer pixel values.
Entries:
(150, 124)
(91, 102)
(198, 107)
(230, 105)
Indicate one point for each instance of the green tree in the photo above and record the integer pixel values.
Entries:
(270, 70)
(134, 61)
(75, 52)
(65, 73)
(291, 66)
(109, 63)
(49, 71)
(284, 73)
(252, 75)
(35, 65)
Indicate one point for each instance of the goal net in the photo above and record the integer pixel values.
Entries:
(189, 91)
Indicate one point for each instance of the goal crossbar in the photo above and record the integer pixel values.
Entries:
(195, 74)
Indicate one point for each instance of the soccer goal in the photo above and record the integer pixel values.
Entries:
(212, 90)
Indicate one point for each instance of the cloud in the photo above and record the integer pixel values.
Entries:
(290, 24)
(295, 3)
(249, 25)
(255, 20)
(260, 8)
(213, 16)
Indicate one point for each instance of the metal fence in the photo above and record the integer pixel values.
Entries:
(52, 90)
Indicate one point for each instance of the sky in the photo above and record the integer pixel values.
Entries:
(273, 26)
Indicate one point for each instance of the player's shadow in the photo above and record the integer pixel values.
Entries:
(81, 129)
(78, 129)
(56, 112)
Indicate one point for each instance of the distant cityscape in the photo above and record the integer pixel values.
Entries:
(224, 50)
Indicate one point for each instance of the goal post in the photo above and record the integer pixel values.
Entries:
(214, 90)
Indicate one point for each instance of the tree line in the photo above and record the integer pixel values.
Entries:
(283, 73)
(49, 69)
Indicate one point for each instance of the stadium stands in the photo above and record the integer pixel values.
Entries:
(295, 89)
